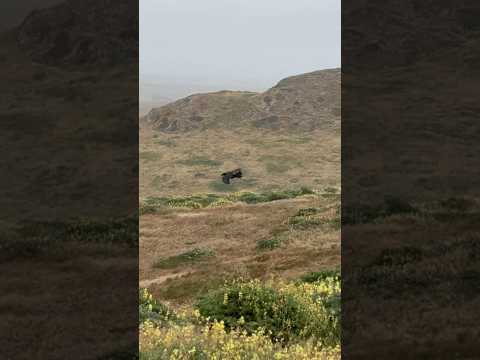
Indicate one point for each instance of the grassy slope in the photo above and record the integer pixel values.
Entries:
(233, 233)
(174, 164)
(184, 252)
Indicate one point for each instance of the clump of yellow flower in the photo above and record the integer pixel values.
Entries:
(213, 342)
(221, 202)
(189, 335)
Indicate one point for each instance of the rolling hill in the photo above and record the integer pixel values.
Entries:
(299, 103)
(288, 136)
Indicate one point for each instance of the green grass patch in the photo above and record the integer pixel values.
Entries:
(272, 243)
(149, 156)
(152, 204)
(253, 198)
(191, 256)
(166, 142)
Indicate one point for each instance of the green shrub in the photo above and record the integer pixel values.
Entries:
(286, 311)
(191, 256)
(271, 243)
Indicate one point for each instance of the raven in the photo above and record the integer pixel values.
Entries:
(226, 176)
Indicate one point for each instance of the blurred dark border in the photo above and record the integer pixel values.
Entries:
(69, 203)
(410, 179)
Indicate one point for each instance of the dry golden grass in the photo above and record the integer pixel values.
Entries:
(181, 164)
(232, 233)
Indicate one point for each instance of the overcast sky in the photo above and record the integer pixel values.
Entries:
(237, 43)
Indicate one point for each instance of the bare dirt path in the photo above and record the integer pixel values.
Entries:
(161, 279)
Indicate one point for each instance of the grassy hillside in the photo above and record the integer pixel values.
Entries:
(220, 269)
(183, 250)
(263, 233)
(174, 164)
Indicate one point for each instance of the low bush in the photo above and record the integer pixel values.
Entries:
(246, 320)
(285, 311)
(271, 243)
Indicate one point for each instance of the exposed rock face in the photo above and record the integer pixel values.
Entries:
(303, 102)
(82, 32)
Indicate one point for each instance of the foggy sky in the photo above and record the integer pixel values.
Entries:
(242, 44)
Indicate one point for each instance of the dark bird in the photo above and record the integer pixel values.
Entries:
(227, 176)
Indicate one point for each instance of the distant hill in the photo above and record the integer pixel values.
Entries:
(304, 102)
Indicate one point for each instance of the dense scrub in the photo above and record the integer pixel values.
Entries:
(247, 320)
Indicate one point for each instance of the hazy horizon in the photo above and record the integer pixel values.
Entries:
(191, 46)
